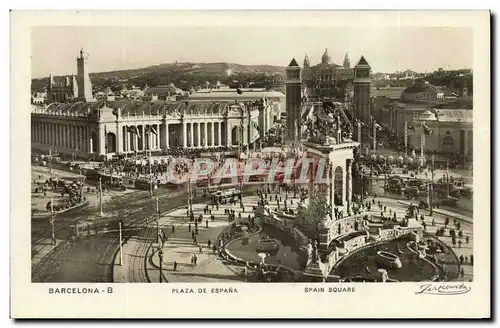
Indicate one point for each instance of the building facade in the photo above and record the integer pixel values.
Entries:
(452, 131)
(101, 129)
(71, 87)
(293, 102)
(327, 79)
(274, 98)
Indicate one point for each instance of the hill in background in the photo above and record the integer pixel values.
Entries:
(184, 75)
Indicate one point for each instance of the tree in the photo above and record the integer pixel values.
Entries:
(318, 209)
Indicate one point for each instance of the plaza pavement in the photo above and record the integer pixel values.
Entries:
(180, 247)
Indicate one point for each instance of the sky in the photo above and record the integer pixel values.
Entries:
(54, 49)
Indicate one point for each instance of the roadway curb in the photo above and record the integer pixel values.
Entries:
(451, 214)
(83, 204)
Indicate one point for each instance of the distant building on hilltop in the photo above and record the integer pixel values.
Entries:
(164, 92)
(327, 79)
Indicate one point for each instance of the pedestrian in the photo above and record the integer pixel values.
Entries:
(462, 273)
(173, 228)
(209, 243)
(175, 265)
(460, 243)
(206, 223)
(192, 235)
(195, 259)
(471, 259)
(214, 249)
(466, 239)
(195, 241)
(189, 227)
(461, 259)
(192, 260)
(201, 249)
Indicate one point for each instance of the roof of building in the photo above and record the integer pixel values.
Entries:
(458, 115)
(421, 87)
(233, 95)
(293, 63)
(390, 92)
(79, 108)
(448, 115)
(362, 62)
(163, 89)
(139, 108)
(459, 103)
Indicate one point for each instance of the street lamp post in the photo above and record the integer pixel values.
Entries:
(150, 178)
(121, 241)
(50, 160)
(431, 188)
(157, 220)
(447, 179)
(100, 197)
(190, 198)
(52, 221)
(81, 184)
(160, 255)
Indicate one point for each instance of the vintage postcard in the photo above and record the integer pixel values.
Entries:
(263, 164)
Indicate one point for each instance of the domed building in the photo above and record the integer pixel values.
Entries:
(327, 79)
(422, 91)
(449, 117)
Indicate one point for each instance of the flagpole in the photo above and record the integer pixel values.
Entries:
(374, 136)
(157, 220)
(52, 221)
(406, 138)
(100, 197)
(431, 189)
(359, 133)
(150, 178)
(422, 139)
(127, 144)
(447, 180)
(121, 241)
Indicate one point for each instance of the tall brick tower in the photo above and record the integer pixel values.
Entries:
(293, 102)
(83, 78)
(362, 90)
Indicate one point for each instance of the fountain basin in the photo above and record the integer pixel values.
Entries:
(267, 246)
(388, 260)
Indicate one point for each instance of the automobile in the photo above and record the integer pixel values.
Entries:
(450, 201)
(423, 205)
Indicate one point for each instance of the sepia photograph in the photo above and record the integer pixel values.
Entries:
(239, 154)
(176, 171)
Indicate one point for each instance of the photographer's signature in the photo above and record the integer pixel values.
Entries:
(444, 289)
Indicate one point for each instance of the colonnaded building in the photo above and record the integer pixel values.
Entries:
(84, 127)
(109, 128)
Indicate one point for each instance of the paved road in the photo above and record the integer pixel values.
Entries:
(90, 259)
